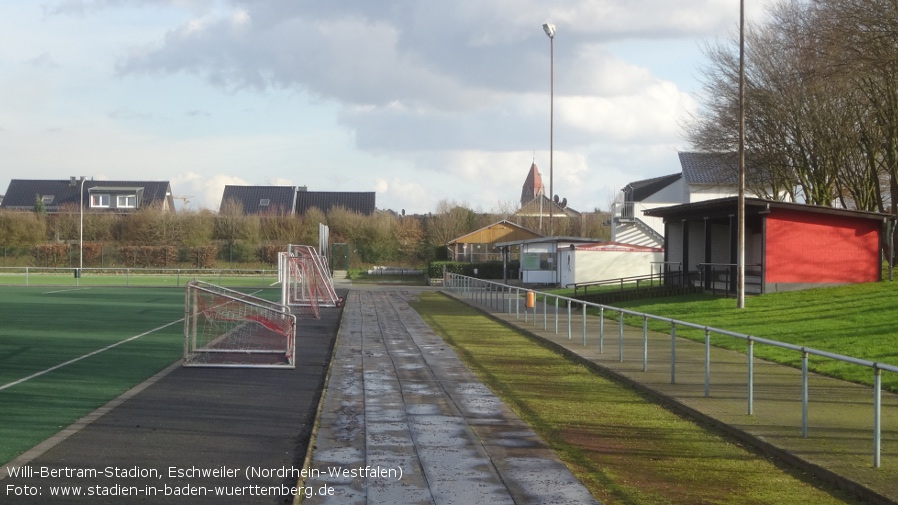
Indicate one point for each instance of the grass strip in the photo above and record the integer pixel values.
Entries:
(621, 446)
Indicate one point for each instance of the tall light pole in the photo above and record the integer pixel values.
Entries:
(72, 182)
(740, 246)
(549, 28)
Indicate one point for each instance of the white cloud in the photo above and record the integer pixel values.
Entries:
(417, 101)
(195, 191)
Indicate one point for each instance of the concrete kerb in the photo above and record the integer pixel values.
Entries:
(782, 456)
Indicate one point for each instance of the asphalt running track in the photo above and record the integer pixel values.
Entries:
(398, 400)
(193, 421)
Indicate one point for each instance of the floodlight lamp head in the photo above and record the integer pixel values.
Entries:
(549, 28)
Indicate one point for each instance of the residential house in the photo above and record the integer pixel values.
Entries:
(286, 200)
(704, 176)
(112, 196)
(262, 200)
(362, 202)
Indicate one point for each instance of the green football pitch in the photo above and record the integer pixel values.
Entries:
(65, 351)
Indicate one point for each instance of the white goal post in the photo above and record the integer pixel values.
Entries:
(227, 328)
(305, 279)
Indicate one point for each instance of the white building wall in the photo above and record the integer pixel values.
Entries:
(589, 266)
(703, 192)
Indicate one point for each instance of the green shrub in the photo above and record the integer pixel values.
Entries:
(485, 270)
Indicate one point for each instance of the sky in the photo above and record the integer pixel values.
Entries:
(419, 101)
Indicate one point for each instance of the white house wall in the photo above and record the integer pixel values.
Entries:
(589, 266)
(703, 192)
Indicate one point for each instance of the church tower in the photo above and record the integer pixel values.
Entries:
(533, 186)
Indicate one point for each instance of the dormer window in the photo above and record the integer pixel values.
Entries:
(99, 200)
(126, 201)
(264, 202)
(47, 199)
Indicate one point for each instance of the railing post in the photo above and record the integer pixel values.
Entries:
(751, 376)
(568, 319)
(584, 324)
(645, 343)
(517, 303)
(556, 315)
(877, 415)
(620, 340)
(673, 352)
(545, 312)
(804, 394)
(707, 362)
(601, 330)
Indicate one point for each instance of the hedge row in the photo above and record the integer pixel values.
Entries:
(66, 255)
(485, 270)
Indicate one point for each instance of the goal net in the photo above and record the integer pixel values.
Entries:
(306, 279)
(227, 328)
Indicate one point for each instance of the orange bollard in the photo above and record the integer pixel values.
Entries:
(531, 299)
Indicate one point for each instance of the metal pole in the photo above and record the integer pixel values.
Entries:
(568, 319)
(601, 330)
(556, 315)
(584, 324)
(620, 340)
(877, 416)
(81, 230)
(645, 343)
(673, 352)
(804, 394)
(740, 246)
(707, 363)
(551, 129)
(751, 376)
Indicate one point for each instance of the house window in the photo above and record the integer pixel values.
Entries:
(126, 201)
(99, 200)
(47, 199)
(264, 202)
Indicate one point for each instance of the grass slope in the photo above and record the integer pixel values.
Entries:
(858, 320)
(622, 447)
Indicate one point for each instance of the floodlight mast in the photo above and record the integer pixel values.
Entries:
(740, 246)
(549, 28)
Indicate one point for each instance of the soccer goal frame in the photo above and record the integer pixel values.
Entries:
(306, 280)
(227, 328)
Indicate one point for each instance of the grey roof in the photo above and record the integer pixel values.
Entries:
(60, 193)
(276, 200)
(728, 206)
(710, 168)
(359, 202)
(640, 190)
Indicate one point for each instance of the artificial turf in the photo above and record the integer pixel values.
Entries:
(45, 327)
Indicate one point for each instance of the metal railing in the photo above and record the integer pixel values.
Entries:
(173, 277)
(712, 274)
(634, 282)
(508, 299)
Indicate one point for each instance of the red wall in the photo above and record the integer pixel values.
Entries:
(805, 247)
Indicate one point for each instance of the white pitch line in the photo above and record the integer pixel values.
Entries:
(63, 291)
(98, 351)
